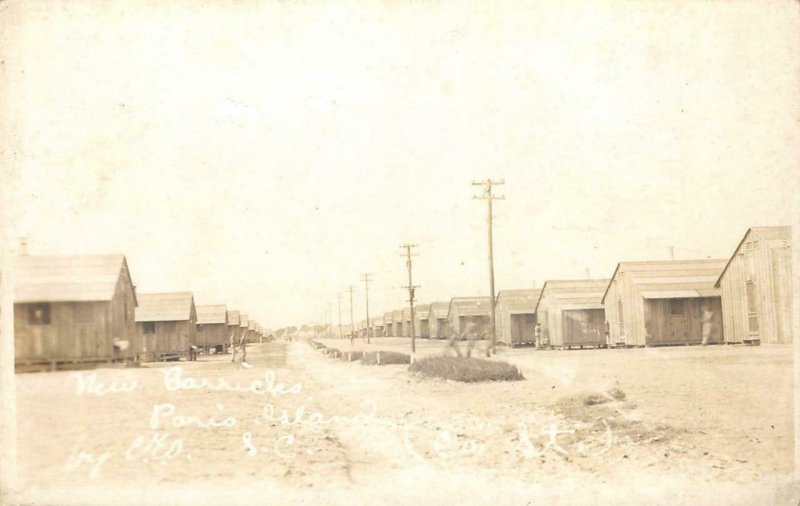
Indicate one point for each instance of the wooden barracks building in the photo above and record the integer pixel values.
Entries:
(166, 323)
(74, 309)
(756, 285)
(664, 302)
(212, 327)
(516, 316)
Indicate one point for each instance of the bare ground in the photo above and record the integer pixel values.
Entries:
(696, 425)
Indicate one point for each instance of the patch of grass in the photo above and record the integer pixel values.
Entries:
(466, 369)
(602, 411)
(351, 356)
(384, 358)
(617, 393)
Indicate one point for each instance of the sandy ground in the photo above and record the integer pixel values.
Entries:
(698, 426)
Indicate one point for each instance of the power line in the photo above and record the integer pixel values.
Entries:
(489, 196)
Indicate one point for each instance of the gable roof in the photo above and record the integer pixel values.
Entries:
(766, 233)
(397, 315)
(210, 314)
(244, 320)
(164, 307)
(440, 309)
(682, 278)
(422, 311)
(470, 306)
(519, 300)
(576, 291)
(233, 318)
(70, 278)
(388, 317)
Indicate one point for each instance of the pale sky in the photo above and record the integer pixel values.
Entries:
(264, 154)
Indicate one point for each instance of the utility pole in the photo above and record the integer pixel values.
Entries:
(489, 196)
(330, 321)
(365, 278)
(411, 288)
(339, 303)
(352, 325)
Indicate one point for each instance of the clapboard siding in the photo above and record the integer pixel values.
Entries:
(421, 314)
(762, 260)
(567, 311)
(633, 282)
(516, 315)
(78, 329)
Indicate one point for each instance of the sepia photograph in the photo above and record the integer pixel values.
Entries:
(400, 252)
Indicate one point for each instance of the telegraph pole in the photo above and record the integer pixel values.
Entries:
(365, 278)
(339, 302)
(489, 196)
(352, 325)
(411, 288)
(330, 321)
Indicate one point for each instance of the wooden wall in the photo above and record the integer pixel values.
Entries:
(514, 327)
(437, 327)
(122, 317)
(78, 331)
(583, 327)
(170, 338)
(423, 329)
(212, 334)
(768, 267)
(624, 309)
(679, 321)
(461, 323)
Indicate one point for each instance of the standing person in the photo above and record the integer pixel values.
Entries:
(707, 321)
(233, 346)
(537, 335)
(243, 348)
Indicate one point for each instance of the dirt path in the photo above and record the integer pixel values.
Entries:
(324, 431)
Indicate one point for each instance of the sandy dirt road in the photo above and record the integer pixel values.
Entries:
(353, 434)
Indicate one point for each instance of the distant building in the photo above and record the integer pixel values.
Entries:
(571, 313)
(212, 327)
(74, 309)
(234, 331)
(407, 322)
(166, 323)
(437, 320)
(421, 314)
(516, 316)
(664, 302)
(244, 326)
(397, 319)
(376, 327)
(469, 316)
(756, 286)
(388, 323)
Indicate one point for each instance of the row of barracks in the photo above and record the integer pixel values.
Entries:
(746, 298)
(86, 309)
